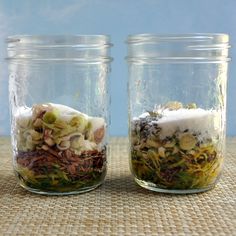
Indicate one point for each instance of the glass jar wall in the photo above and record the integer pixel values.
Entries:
(59, 111)
(177, 96)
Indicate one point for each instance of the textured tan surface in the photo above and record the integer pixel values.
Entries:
(119, 206)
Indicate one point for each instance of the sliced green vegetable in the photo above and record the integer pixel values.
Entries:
(187, 141)
(50, 117)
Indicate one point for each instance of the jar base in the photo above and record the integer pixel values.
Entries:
(153, 187)
(41, 192)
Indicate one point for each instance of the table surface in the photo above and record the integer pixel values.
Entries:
(119, 206)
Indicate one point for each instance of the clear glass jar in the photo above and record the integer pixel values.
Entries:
(59, 111)
(177, 96)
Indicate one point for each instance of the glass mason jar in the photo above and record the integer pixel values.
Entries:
(59, 111)
(177, 96)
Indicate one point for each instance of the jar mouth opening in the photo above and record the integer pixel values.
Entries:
(58, 48)
(178, 48)
(58, 41)
(192, 37)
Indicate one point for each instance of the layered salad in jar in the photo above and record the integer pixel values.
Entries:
(176, 147)
(58, 149)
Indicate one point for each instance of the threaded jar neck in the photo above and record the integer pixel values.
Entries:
(79, 48)
(194, 48)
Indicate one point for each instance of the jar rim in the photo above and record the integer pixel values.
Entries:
(148, 37)
(60, 40)
(178, 48)
(57, 48)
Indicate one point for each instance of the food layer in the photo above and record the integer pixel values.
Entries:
(177, 147)
(59, 149)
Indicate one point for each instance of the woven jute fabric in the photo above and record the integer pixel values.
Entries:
(119, 206)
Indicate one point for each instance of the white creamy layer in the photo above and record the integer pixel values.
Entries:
(195, 120)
